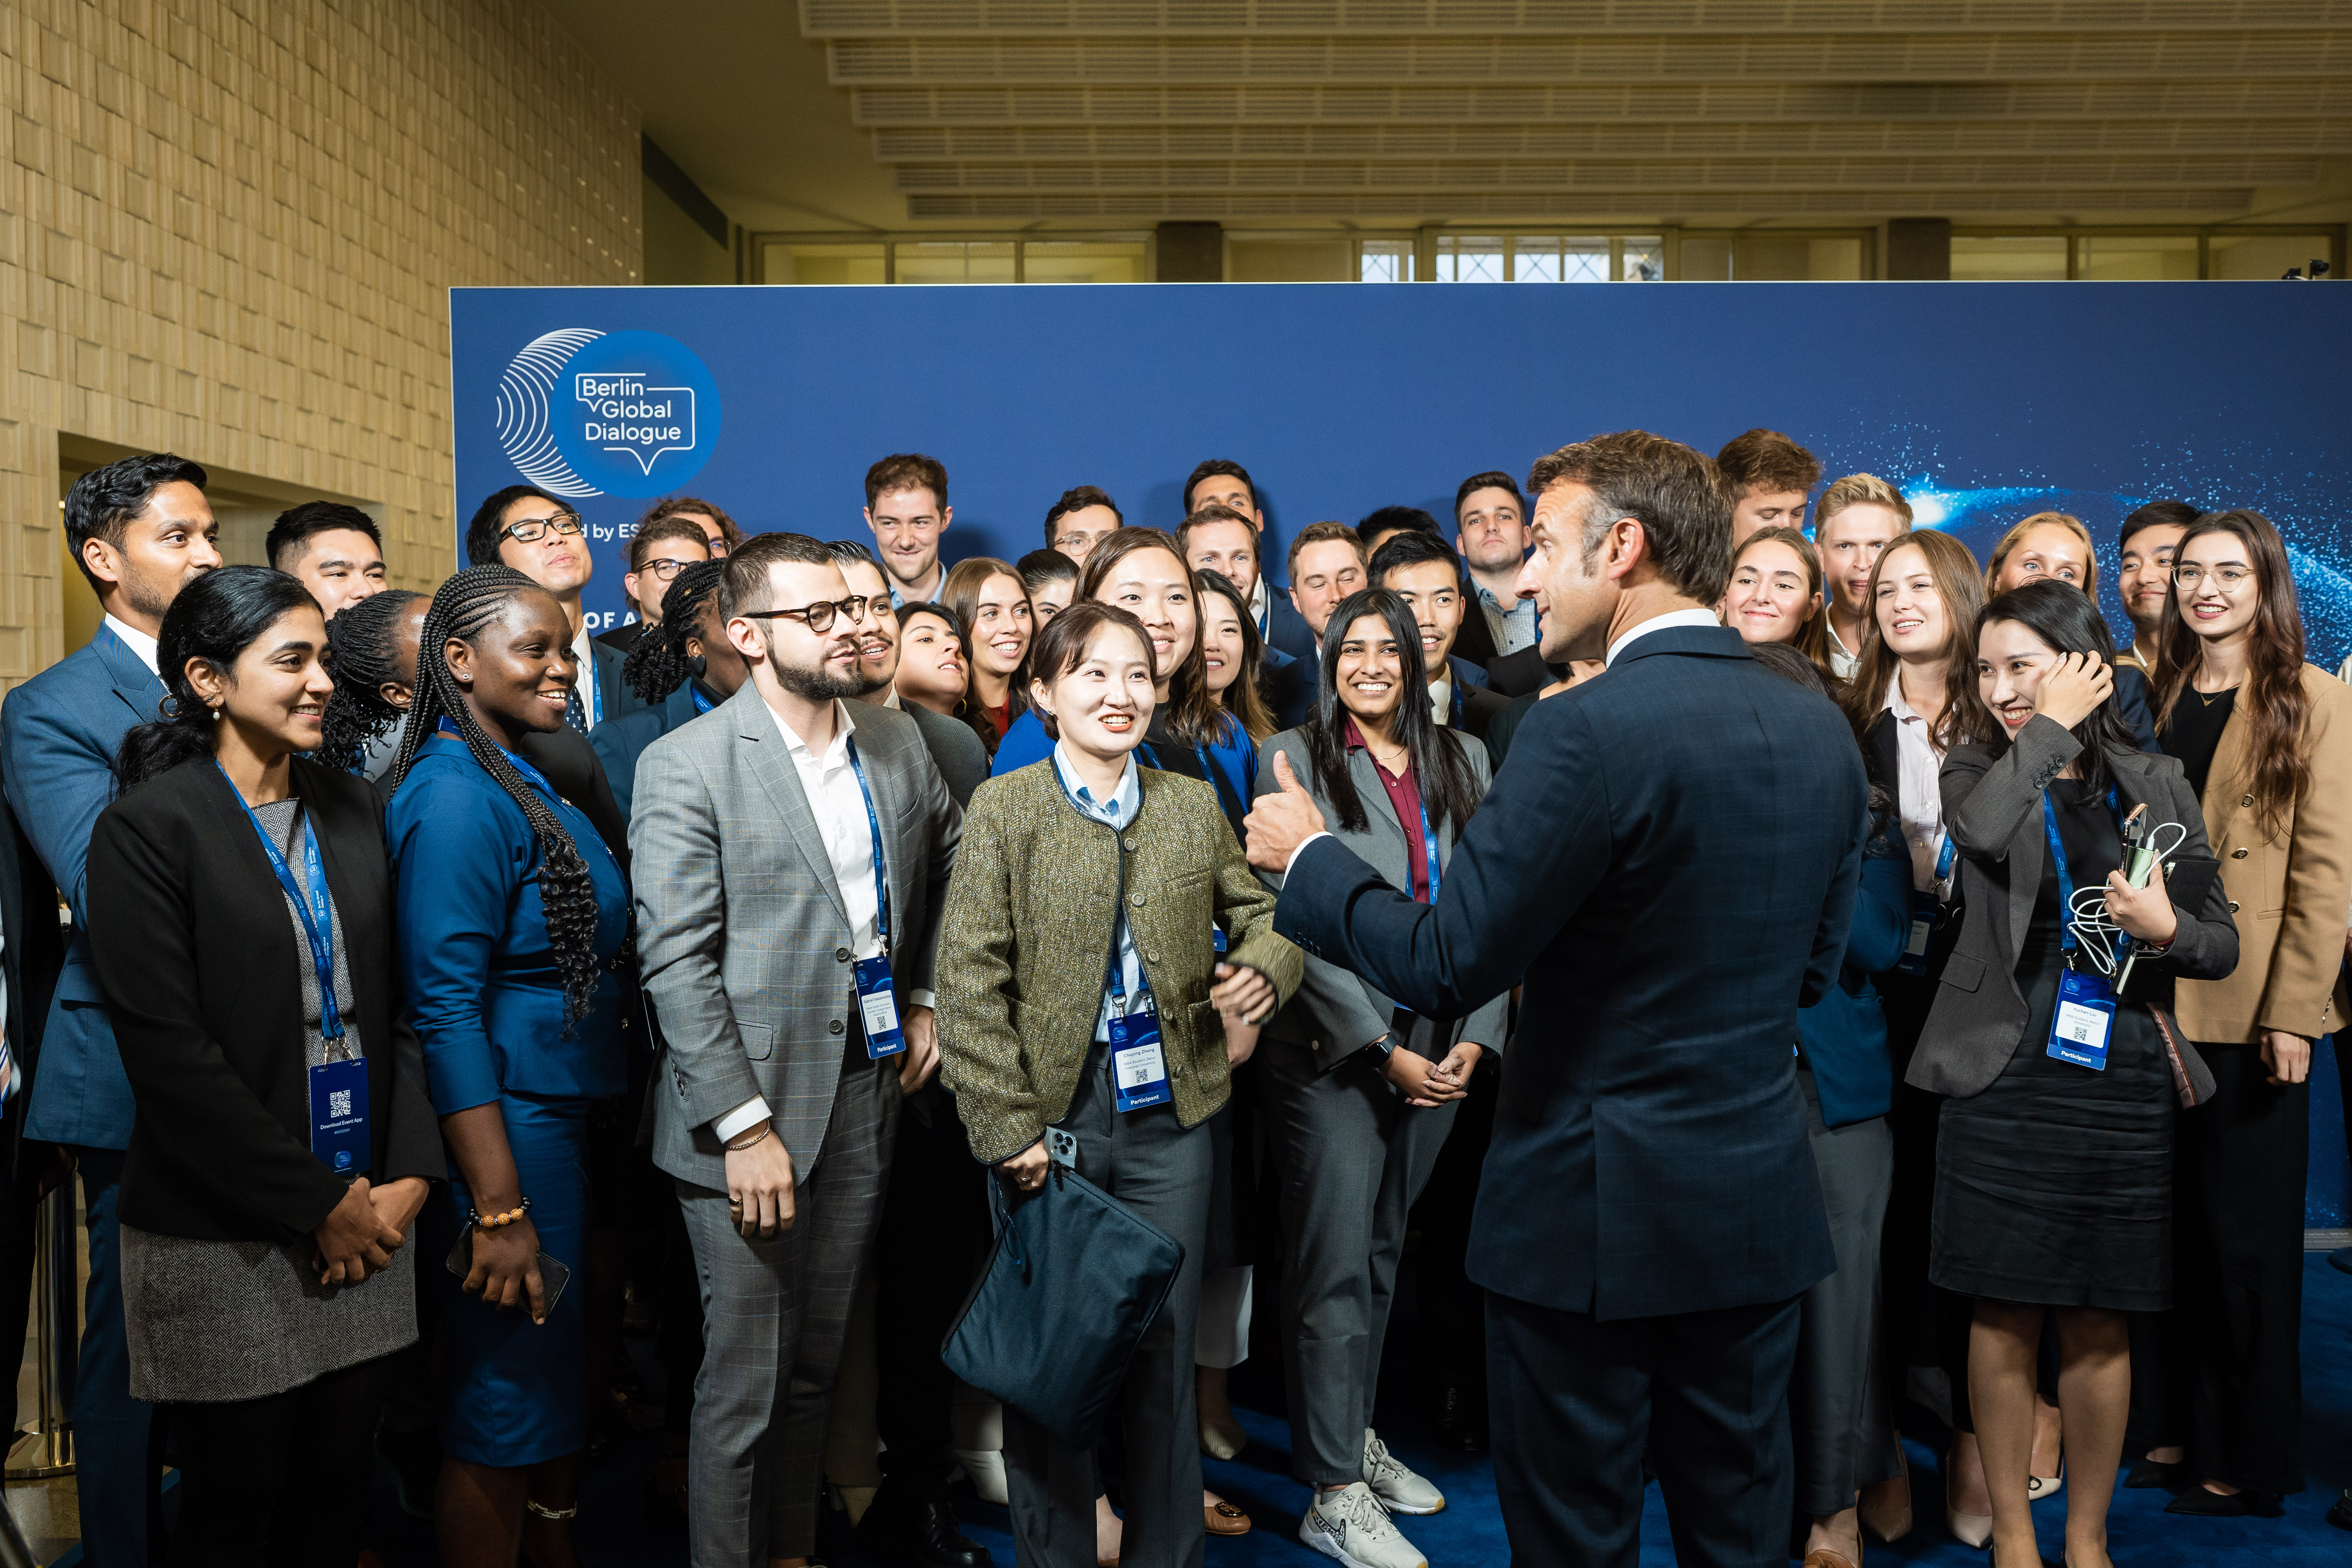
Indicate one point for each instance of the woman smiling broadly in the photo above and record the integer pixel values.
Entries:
(2054, 1166)
(991, 600)
(514, 918)
(241, 920)
(1089, 853)
(1360, 1094)
(2266, 742)
(1776, 594)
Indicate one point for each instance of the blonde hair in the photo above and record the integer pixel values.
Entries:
(2008, 541)
(1859, 490)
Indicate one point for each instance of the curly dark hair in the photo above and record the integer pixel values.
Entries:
(659, 664)
(366, 656)
(464, 607)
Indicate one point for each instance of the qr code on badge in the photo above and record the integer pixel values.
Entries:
(339, 1103)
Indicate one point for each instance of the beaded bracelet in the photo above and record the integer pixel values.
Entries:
(481, 1220)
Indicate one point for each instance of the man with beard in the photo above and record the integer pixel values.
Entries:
(955, 748)
(776, 1099)
(141, 530)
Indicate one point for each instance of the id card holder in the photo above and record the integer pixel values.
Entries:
(339, 1116)
(1217, 939)
(2084, 1018)
(1139, 1067)
(877, 1006)
(1926, 909)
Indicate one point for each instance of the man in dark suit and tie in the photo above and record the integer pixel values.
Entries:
(140, 529)
(1669, 860)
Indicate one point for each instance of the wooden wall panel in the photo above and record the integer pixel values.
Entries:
(228, 227)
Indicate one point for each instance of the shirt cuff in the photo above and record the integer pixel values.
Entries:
(740, 1119)
(1297, 852)
(923, 999)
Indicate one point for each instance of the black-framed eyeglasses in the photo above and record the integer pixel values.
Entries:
(666, 568)
(532, 530)
(817, 617)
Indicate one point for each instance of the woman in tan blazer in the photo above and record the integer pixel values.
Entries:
(2267, 740)
(1088, 890)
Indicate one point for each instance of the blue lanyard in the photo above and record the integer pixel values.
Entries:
(1114, 971)
(313, 908)
(448, 726)
(1944, 859)
(2058, 858)
(701, 704)
(874, 825)
(1429, 846)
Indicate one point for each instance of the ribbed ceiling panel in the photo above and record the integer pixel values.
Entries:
(1214, 104)
(1766, 57)
(871, 18)
(1113, 143)
(1637, 206)
(1432, 178)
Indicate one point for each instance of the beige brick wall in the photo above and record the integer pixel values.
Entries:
(228, 228)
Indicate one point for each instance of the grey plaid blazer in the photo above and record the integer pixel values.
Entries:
(742, 933)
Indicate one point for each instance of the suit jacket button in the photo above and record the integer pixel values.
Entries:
(1151, 958)
(1130, 840)
(841, 955)
(1175, 1070)
(2237, 854)
(834, 1028)
(1135, 899)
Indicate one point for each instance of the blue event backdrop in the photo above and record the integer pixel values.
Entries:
(1984, 402)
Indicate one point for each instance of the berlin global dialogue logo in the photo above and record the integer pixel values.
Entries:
(586, 412)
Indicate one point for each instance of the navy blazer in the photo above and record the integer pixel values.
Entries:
(1289, 685)
(2133, 706)
(1286, 629)
(1669, 859)
(1844, 1033)
(58, 732)
(619, 743)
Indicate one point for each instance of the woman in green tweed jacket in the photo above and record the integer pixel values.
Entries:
(1081, 915)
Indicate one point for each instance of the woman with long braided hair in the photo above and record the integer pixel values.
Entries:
(375, 641)
(682, 668)
(514, 918)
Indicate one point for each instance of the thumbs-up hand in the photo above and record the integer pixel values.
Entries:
(1279, 823)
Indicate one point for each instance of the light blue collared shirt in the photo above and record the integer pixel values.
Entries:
(1116, 812)
(1514, 628)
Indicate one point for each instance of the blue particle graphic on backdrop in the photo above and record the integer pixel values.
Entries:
(584, 413)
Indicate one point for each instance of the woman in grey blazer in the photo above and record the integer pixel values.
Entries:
(1359, 1095)
(2054, 1163)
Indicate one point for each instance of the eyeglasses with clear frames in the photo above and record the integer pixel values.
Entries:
(817, 617)
(2229, 579)
(532, 530)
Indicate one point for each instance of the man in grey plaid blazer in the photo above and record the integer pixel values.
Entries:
(754, 839)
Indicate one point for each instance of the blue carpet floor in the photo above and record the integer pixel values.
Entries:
(613, 1530)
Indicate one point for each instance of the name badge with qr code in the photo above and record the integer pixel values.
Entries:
(1139, 1067)
(877, 1008)
(2083, 1021)
(339, 1116)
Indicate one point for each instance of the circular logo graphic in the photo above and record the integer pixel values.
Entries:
(584, 413)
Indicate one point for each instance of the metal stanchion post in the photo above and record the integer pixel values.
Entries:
(48, 1450)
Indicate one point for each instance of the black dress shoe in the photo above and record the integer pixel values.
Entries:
(2205, 1504)
(2342, 1258)
(924, 1529)
(2152, 1474)
(2340, 1516)
(1458, 1422)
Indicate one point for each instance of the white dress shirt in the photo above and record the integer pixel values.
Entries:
(1920, 803)
(138, 641)
(1126, 800)
(830, 786)
(1672, 618)
(1842, 663)
(1441, 698)
(583, 649)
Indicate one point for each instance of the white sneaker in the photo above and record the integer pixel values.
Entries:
(1350, 1525)
(1399, 1488)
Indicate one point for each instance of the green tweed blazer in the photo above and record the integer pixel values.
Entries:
(1025, 940)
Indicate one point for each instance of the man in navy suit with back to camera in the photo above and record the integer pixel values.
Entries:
(141, 530)
(1668, 859)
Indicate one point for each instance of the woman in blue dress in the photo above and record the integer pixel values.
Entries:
(513, 918)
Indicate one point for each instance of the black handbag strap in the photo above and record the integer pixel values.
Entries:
(1004, 1221)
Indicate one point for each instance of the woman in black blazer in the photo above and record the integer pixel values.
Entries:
(240, 915)
(2053, 1165)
